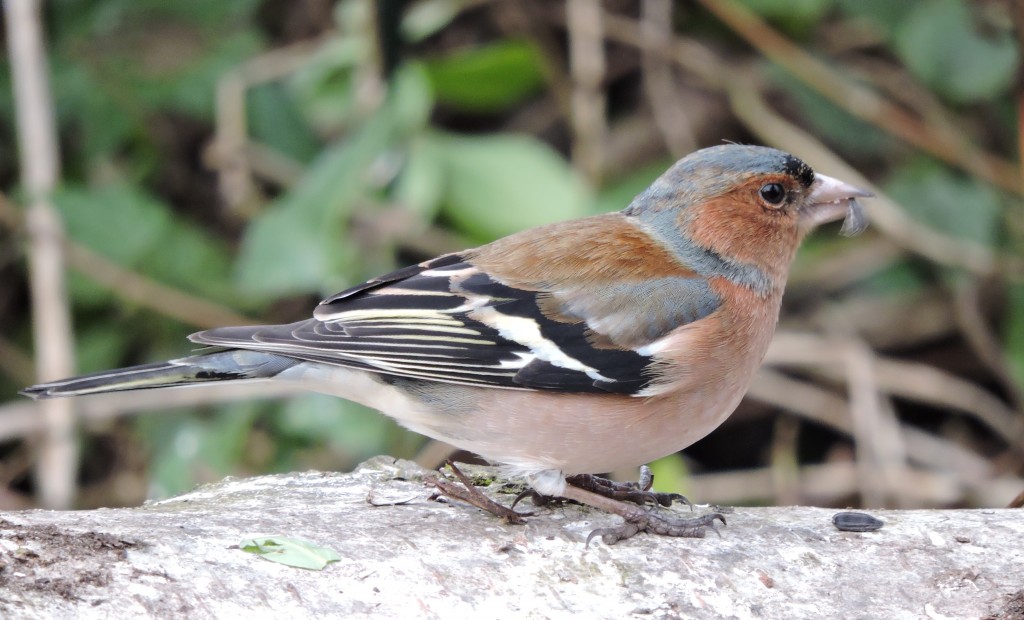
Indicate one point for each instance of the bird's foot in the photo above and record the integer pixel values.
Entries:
(539, 499)
(658, 523)
(472, 495)
(638, 492)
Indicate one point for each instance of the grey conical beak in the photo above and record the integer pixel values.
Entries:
(830, 199)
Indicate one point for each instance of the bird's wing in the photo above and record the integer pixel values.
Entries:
(455, 320)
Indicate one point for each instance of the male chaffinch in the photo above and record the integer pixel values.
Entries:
(575, 348)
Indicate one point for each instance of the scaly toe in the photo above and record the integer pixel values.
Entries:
(659, 524)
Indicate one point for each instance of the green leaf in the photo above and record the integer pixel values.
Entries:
(188, 447)
(275, 121)
(286, 252)
(290, 551)
(1014, 328)
(194, 260)
(884, 14)
(941, 43)
(618, 194)
(498, 185)
(791, 13)
(410, 99)
(139, 232)
(117, 220)
(420, 186)
(670, 474)
(323, 87)
(423, 19)
(957, 205)
(298, 244)
(354, 432)
(488, 78)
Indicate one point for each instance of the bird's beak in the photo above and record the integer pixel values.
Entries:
(831, 199)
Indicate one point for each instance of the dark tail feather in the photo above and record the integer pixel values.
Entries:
(229, 365)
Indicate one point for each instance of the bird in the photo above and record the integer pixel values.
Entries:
(562, 351)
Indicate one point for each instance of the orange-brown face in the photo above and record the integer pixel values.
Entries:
(745, 206)
(757, 222)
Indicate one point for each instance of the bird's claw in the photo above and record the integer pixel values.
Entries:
(633, 492)
(659, 524)
(538, 499)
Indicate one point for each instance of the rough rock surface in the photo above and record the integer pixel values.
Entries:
(427, 559)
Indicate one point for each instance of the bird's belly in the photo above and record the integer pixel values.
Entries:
(579, 433)
(533, 431)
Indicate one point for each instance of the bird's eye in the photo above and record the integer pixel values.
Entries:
(772, 193)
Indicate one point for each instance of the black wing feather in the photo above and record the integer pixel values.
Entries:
(426, 322)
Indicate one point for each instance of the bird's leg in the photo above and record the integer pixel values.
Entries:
(636, 492)
(472, 495)
(639, 519)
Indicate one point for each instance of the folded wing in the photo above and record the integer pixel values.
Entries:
(452, 320)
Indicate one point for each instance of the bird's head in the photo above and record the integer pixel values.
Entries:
(749, 205)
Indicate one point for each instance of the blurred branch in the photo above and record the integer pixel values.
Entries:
(985, 344)
(518, 19)
(659, 80)
(231, 151)
(830, 483)
(148, 293)
(749, 105)
(962, 469)
(1017, 14)
(587, 64)
(37, 141)
(135, 287)
(21, 419)
(903, 379)
(941, 141)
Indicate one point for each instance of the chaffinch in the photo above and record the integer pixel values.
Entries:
(575, 348)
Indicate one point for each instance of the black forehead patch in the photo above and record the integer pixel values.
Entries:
(798, 170)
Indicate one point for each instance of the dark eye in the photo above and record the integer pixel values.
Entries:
(773, 193)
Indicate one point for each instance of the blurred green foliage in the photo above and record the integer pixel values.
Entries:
(129, 75)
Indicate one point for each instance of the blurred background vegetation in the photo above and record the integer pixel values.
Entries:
(234, 161)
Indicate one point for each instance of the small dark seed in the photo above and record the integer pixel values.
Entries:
(856, 522)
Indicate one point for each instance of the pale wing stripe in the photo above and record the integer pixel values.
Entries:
(378, 313)
(503, 365)
(438, 329)
(389, 321)
(443, 272)
(318, 346)
(527, 332)
(433, 338)
(431, 371)
(409, 291)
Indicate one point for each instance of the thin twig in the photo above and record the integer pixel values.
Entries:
(231, 149)
(751, 108)
(659, 80)
(586, 61)
(967, 310)
(37, 141)
(952, 147)
(135, 287)
(21, 418)
(915, 381)
(148, 293)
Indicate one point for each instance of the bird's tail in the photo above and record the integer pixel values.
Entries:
(224, 365)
